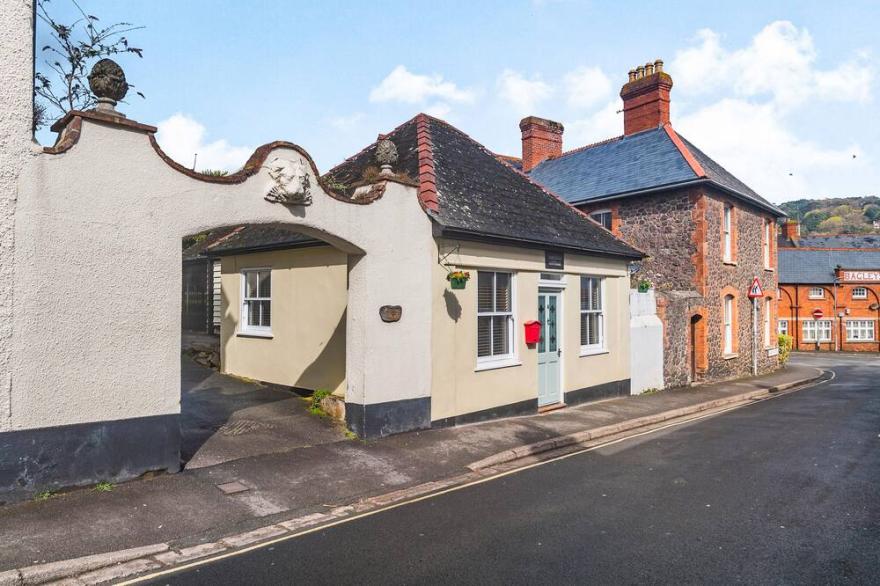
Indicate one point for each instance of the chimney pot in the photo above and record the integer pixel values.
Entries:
(646, 98)
(541, 140)
(632, 74)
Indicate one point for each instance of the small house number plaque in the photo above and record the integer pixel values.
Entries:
(390, 313)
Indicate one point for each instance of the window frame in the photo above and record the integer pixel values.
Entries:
(811, 295)
(767, 312)
(768, 265)
(601, 346)
(245, 327)
(727, 322)
(497, 360)
(813, 337)
(850, 322)
(727, 233)
(864, 296)
(603, 212)
(782, 324)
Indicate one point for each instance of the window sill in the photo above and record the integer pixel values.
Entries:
(266, 335)
(593, 352)
(769, 269)
(730, 263)
(493, 365)
(730, 356)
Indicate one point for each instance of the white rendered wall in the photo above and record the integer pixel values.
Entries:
(646, 343)
(16, 146)
(98, 275)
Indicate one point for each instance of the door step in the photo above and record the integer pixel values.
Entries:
(553, 407)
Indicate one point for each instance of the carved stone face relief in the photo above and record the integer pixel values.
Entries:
(292, 185)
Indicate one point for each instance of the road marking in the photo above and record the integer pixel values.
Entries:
(358, 516)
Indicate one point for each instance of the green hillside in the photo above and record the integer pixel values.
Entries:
(840, 215)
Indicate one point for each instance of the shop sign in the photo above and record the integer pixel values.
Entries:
(861, 276)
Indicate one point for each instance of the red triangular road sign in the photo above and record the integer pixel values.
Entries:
(755, 290)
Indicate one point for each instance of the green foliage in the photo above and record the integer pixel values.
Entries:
(785, 343)
(104, 487)
(315, 403)
(61, 82)
(44, 495)
(843, 215)
(214, 172)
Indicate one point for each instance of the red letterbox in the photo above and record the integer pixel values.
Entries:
(533, 331)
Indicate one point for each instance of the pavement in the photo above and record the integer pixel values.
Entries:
(781, 491)
(318, 479)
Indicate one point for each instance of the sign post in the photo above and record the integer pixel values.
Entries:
(755, 292)
(817, 315)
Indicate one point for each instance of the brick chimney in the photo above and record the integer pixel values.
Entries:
(791, 230)
(541, 140)
(646, 98)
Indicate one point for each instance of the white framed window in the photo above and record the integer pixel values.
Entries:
(859, 330)
(727, 232)
(816, 293)
(728, 323)
(256, 301)
(495, 341)
(768, 332)
(782, 326)
(817, 330)
(603, 217)
(860, 293)
(768, 225)
(592, 314)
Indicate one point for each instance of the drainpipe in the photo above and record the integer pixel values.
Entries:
(836, 317)
(797, 323)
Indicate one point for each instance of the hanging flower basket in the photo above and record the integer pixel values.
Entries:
(458, 279)
(645, 285)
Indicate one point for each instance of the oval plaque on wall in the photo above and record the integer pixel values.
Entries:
(390, 313)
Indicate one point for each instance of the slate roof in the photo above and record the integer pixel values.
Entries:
(479, 196)
(861, 241)
(257, 237)
(196, 251)
(629, 165)
(800, 266)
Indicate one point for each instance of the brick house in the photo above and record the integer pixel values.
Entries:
(837, 277)
(707, 234)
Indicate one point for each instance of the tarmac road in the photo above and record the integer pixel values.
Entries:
(781, 491)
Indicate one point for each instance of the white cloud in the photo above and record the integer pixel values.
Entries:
(604, 123)
(586, 86)
(751, 141)
(779, 63)
(345, 123)
(438, 110)
(401, 85)
(181, 137)
(523, 94)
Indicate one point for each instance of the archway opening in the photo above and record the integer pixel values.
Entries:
(263, 342)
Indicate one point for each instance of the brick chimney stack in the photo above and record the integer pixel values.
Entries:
(791, 230)
(646, 98)
(541, 140)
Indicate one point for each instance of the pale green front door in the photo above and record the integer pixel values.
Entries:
(549, 351)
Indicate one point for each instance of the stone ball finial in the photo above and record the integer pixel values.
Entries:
(386, 155)
(107, 82)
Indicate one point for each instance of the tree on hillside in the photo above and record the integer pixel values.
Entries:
(833, 225)
(811, 220)
(63, 85)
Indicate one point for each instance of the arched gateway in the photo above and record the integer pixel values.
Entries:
(90, 260)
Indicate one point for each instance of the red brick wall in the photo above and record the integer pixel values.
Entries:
(794, 304)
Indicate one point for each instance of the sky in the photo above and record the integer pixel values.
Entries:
(783, 94)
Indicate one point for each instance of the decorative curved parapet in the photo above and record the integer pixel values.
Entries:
(69, 129)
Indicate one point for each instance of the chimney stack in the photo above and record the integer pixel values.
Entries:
(791, 230)
(541, 140)
(646, 98)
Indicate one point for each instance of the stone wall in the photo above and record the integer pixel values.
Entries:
(736, 278)
(681, 232)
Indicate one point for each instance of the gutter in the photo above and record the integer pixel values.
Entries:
(690, 182)
(484, 237)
